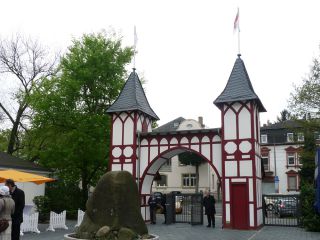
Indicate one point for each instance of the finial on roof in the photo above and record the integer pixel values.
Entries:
(134, 69)
(239, 55)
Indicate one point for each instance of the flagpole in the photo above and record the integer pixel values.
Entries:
(239, 40)
(135, 39)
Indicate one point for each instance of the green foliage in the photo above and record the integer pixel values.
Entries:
(306, 98)
(70, 121)
(43, 207)
(310, 220)
(189, 158)
(284, 116)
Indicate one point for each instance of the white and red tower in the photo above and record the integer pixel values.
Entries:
(131, 114)
(240, 146)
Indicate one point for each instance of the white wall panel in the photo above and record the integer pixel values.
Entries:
(231, 168)
(184, 140)
(251, 210)
(227, 190)
(143, 159)
(128, 167)
(116, 167)
(251, 190)
(153, 152)
(246, 168)
(128, 132)
(205, 150)
(217, 157)
(244, 124)
(117, 132)
(230, 123)
(227, 212)
(195, 147)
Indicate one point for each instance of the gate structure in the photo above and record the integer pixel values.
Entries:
(281, 210)
(233, 151)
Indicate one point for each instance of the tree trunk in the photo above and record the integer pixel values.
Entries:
(14, 131)
(197, 178)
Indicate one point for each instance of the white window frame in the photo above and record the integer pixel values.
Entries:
(190, 179)
(300, 137)
(166, 182)
(264, 138)
(295, 181)
(291, 154)
(290, 137)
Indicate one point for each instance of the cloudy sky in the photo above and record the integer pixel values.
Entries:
(187, 48)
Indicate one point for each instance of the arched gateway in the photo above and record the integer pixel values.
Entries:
(232, 151)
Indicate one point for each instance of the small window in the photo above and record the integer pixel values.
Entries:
(189, 180)
(265, 161)
(290, 158)
(292, 183)
(176, 124)
(289, 137)
(300, 137)
(264, 138)
(163, 181)
(189, 125)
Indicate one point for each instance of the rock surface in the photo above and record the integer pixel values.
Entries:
(115, 203)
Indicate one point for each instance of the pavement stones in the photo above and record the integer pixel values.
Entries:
(183, 231)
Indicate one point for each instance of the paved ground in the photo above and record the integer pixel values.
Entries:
(181, 231)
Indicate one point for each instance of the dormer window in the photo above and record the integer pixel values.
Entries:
(189, 125)
(264, 138)
(300, 137)
(176, 124)
(289, 137)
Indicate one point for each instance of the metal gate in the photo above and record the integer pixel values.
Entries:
(184, 208)
(281, 210)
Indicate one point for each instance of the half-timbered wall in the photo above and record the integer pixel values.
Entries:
(241, 159)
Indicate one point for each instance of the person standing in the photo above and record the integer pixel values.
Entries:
(209, 206)
(164, 207)
(153, 203)
(6, 210)
(19, 200)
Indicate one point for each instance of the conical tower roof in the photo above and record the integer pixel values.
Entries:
(132, 97)
(239, 87)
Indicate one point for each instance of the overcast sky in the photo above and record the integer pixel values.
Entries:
(186, 49)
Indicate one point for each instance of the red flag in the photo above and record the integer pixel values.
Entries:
(236, 22)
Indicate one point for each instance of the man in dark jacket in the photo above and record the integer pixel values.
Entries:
(153, 203)
(19, 200)
(209, 206)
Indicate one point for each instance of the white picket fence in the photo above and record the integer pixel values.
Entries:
(80, 217)
(57, 221)
(30, 223)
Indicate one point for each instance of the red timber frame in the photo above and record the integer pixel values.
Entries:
(252, 155)
(182, 142)
(123, 160)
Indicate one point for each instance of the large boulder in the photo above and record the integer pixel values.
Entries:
(115, 202)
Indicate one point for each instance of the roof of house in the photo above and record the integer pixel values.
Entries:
(9, 161)
(239, 87)
(170, 126)
(132, 97)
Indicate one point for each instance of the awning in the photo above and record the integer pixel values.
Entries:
(19, 176)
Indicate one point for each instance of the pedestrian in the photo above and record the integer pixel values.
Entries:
(6, 210)
(19, 200)
(163, 207)
(209, 206)
(153, 203)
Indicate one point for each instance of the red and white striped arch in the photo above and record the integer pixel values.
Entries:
(241, 163)
(156, 149)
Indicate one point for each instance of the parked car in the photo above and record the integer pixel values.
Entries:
(286, 207)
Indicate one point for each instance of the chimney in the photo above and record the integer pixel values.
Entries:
(200, 120)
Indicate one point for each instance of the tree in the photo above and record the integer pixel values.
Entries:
(26, 61)
(284, 116)
(305, 99)
(190, 158)
(70, 109)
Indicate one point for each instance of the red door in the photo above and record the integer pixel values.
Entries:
(239, 206)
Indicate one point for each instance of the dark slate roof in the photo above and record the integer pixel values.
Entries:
(170, 126)
(288, 124)
(239, 87)
(9, 161)
(132, 97)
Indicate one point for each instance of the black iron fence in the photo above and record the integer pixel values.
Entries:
(281, 210)
(184, 208)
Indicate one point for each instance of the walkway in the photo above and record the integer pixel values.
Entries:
(186, 231)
